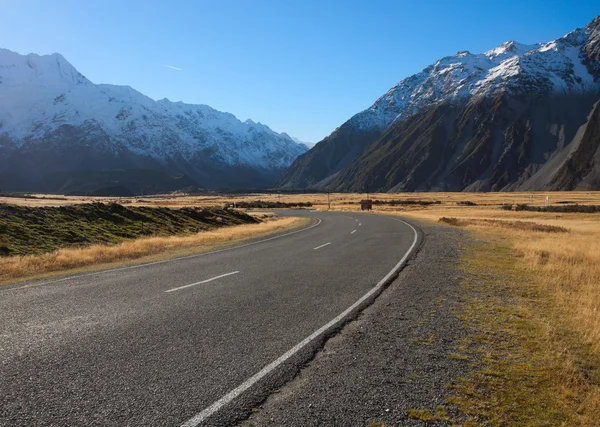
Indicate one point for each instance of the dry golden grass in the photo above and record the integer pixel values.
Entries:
(565, 265)
(339, 201)
(101, 256)
(553, 315)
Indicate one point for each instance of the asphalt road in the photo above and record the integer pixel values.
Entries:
(197, 340)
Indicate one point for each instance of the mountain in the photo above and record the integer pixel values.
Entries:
(518, 117)
(59, 132)
(308, 144)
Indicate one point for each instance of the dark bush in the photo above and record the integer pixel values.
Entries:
(563, 208)
(406, 202)
(259, 204)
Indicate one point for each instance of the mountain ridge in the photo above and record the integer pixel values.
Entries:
(47, 104)
(567, 66)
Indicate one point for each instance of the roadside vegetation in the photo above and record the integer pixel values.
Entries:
(532, 304)
(42, 240)
(261, 204)
(29, 231)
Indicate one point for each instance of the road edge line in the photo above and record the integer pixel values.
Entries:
(323, 332)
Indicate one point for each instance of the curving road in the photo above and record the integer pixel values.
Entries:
(192, 341)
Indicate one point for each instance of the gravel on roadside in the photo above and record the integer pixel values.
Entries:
(393, 358)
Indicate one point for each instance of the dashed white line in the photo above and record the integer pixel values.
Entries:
(204, 281)
(35, 285)
(352, 232)
(229, 397)
(322, 246)
(359, 224)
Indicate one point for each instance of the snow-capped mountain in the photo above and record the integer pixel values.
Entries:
(46, 104)
(499, 79)
(514, 68)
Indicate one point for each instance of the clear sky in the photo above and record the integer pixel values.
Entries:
(301, 67)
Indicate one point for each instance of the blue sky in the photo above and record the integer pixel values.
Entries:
(301, 67)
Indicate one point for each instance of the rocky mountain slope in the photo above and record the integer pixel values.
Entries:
(61, 132)
(513, 118)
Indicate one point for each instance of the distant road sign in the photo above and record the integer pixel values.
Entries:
(366, 205)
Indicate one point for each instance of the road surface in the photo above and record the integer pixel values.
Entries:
(192, 341)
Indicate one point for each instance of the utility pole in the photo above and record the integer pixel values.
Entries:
(328, 201)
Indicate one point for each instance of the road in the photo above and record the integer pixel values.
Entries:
(193, 341)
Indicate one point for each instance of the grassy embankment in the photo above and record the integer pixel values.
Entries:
(41, 240)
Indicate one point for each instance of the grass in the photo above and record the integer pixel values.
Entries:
(535, 316)
(425, 415)
(518, 225)
(339, 201)
(531, 367)
(143, 249)
(28, 231)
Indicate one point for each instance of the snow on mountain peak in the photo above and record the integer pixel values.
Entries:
(509, 49)
(40, 93)
(45, 69)
(557, 66)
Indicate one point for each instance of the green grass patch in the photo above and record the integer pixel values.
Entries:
(37, 230)
(524, 371)
(425, 415)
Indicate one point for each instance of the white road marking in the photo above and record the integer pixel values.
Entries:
(206, 413)
(35, 285)
(352, 232)
(322, 246)
(204, 281)
(359, 224)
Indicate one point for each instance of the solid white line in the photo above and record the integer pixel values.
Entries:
(160, 262)
(322, 246)
(196, 420)
(204, 281)
(352, 232)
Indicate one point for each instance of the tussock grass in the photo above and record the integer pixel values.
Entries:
(339, 201)
(530, 366)
(538, 306)
(20, 267)
(559, 209)
(425, 415)
(27, 230)
(260, 204)
(519, 225)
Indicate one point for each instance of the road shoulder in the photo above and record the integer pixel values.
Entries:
(394, 361)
